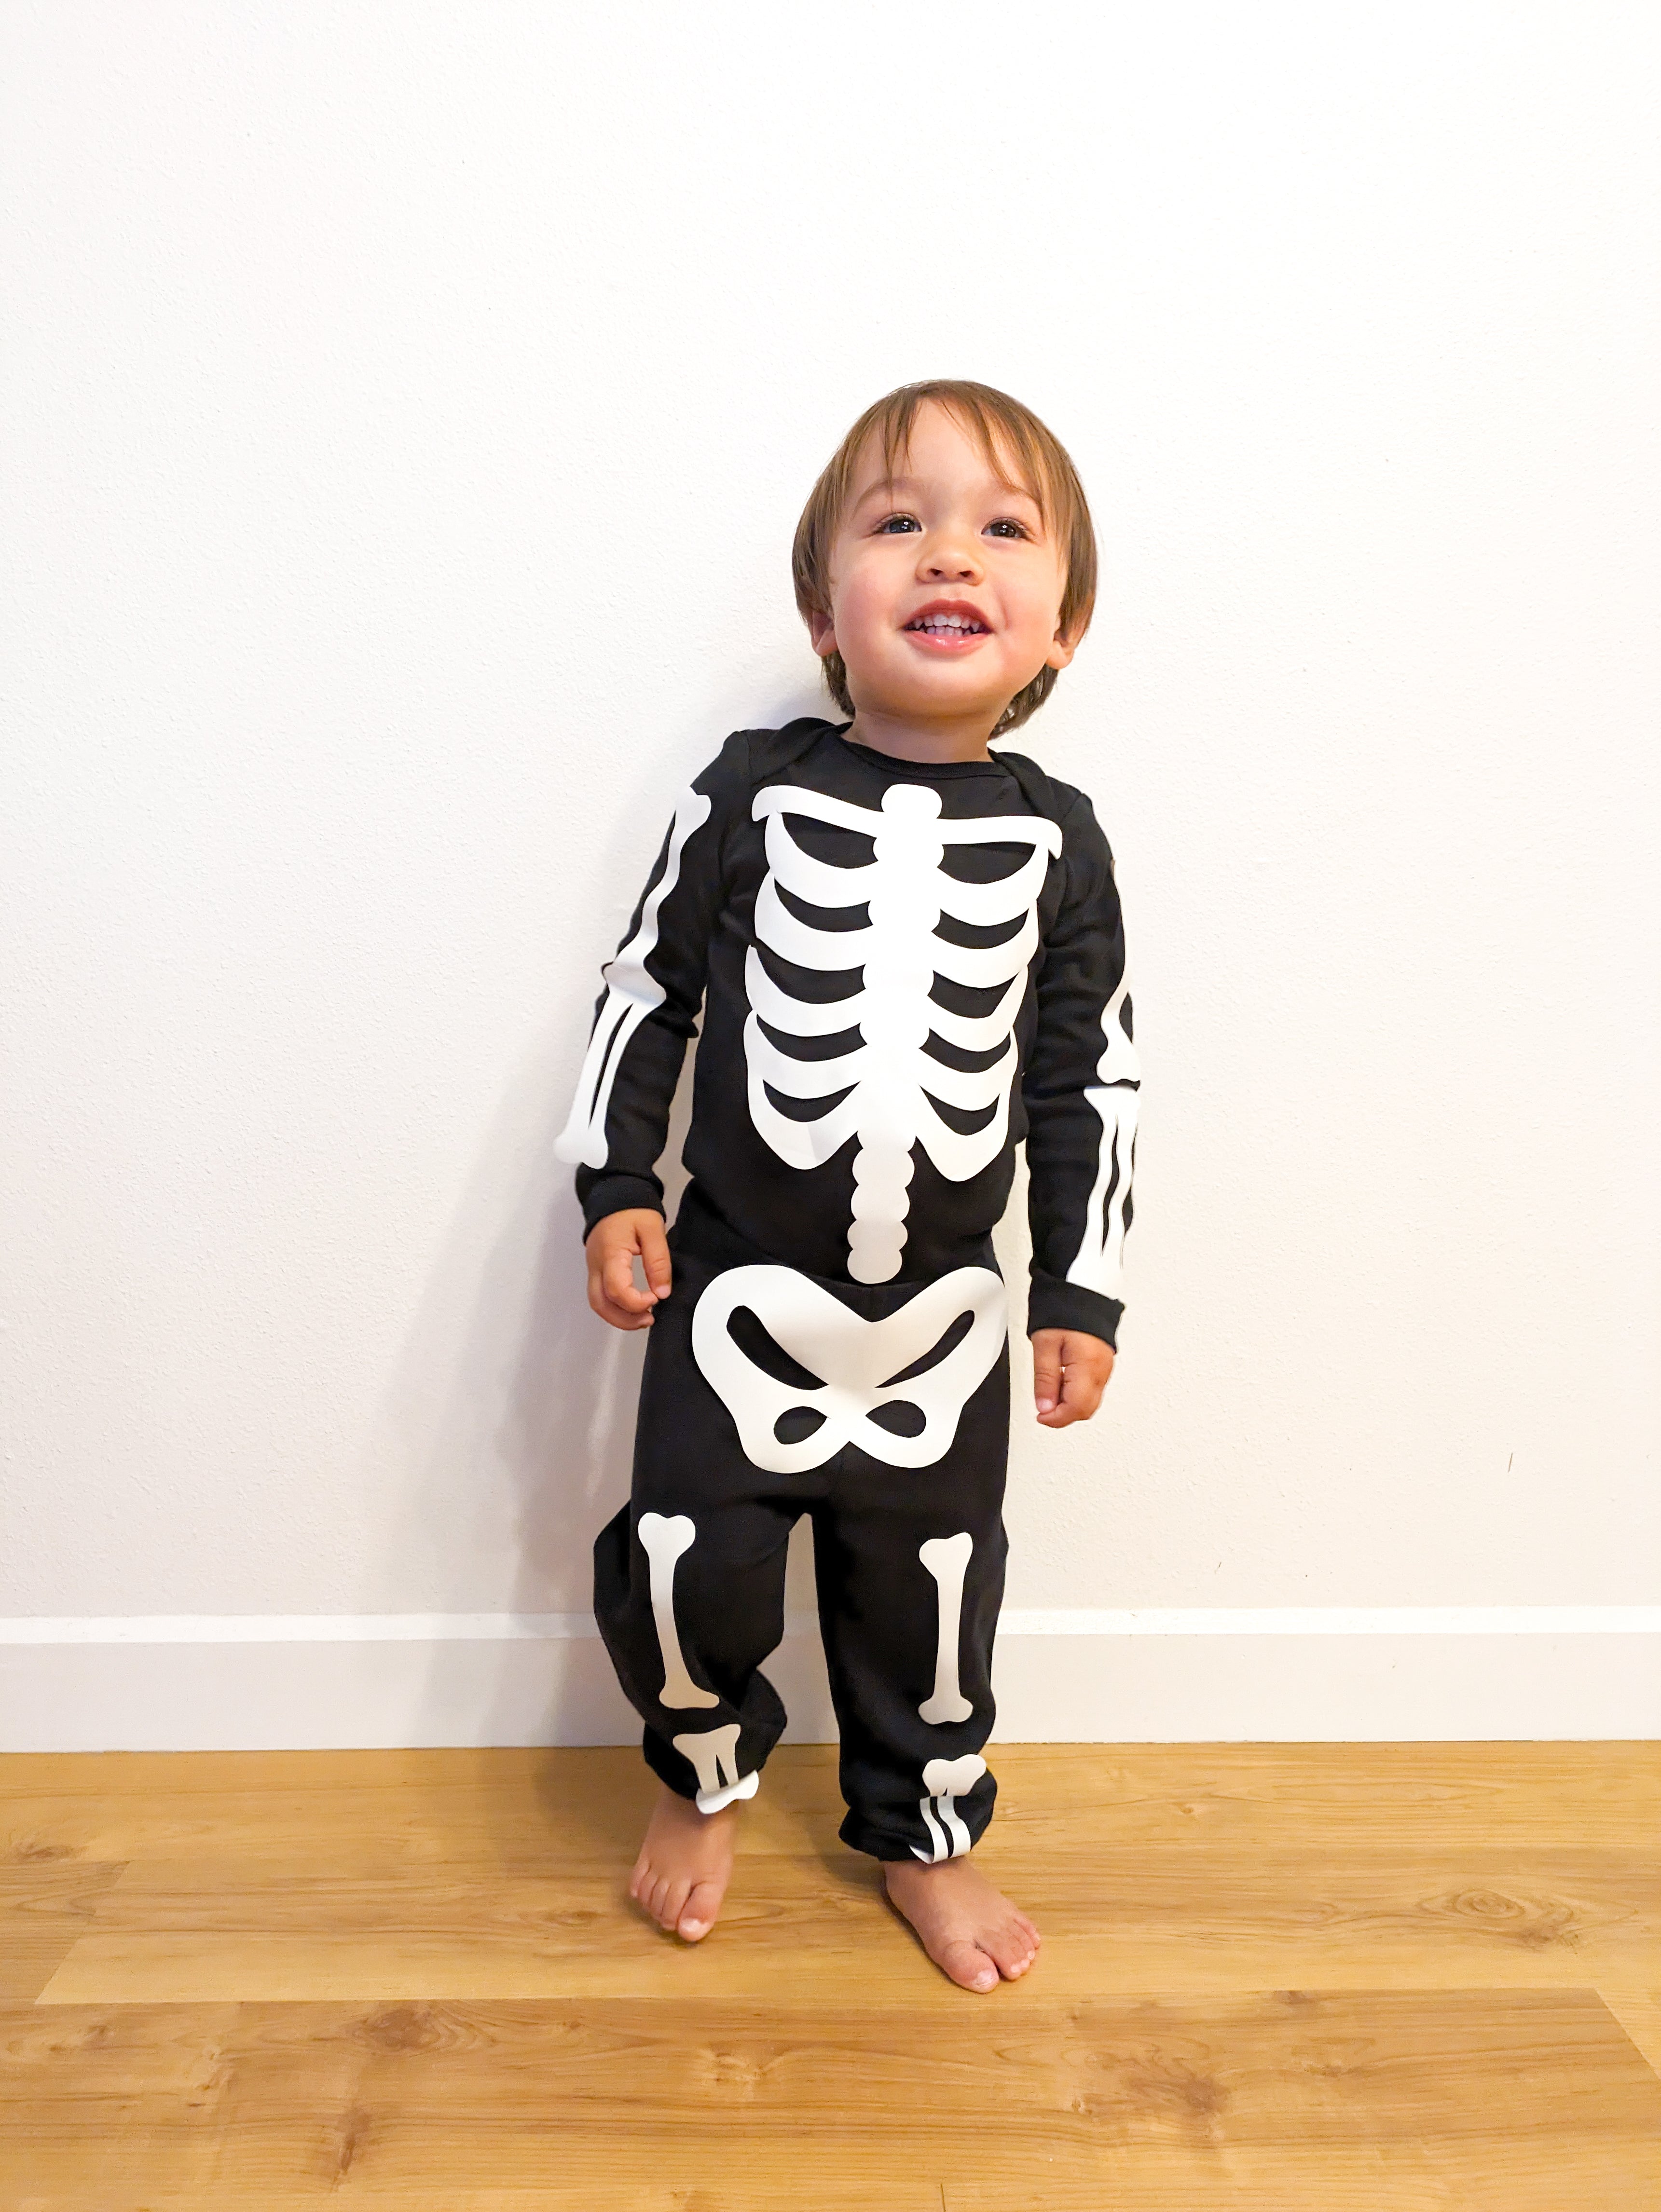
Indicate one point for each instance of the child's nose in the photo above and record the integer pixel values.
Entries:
(951, 558)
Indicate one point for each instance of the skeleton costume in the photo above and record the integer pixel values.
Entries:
(904, 970)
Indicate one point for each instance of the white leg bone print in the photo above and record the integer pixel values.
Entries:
(855, 1359)
(946, 1779)
(631, 994)
(664, 1540)
(947, 1558)
(715, 1753)
(892, 1082)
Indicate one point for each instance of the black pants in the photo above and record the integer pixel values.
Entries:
(881, 1411)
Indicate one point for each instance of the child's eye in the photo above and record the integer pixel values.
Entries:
(1006, 527)
(894, 523)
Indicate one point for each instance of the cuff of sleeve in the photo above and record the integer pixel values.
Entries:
(1053, 1304)
(615, 1194)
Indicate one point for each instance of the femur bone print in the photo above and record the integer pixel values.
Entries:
(891, 1081)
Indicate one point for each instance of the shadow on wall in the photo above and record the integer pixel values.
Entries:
(511, 1421)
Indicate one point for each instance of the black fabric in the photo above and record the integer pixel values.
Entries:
(706, 930)
(725, 928)
(877, 1603)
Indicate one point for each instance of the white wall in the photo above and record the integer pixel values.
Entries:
(407, 411)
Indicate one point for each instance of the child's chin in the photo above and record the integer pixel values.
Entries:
(924, 687)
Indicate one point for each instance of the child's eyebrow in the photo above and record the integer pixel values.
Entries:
(886, 487)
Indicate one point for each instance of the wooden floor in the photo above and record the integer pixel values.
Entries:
(1275, 1978)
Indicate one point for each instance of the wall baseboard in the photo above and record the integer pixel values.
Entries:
(1316, 1674)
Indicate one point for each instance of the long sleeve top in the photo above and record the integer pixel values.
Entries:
(904, 971)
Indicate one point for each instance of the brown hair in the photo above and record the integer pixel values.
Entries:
(997, 422)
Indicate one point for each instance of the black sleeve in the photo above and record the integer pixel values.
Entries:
(1081, 1091)
(654, 990)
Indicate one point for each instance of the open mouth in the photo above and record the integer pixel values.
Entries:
(947, 625)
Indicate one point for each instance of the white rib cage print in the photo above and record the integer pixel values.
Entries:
(894, 1087)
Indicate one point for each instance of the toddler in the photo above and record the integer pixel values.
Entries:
(908, 956)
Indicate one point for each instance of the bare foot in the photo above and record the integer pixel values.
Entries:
(684, 1865)
(971, 1930)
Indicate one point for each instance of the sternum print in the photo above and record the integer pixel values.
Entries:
(894, 1021)
(891, 1081)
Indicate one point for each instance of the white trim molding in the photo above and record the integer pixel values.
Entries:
(1130, 1676)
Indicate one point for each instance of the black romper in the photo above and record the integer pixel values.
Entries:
(904, 970)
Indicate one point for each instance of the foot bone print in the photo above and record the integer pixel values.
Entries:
(890, 1080)
(713, 1754)
(945, 1780)
(853, 1358)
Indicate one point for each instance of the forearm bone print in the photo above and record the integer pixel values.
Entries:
(890, 1080)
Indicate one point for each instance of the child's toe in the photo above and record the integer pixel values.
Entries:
(697, 1914)
(1011, 1949)
(968, 1964)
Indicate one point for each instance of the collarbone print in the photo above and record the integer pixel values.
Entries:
(886, 1091)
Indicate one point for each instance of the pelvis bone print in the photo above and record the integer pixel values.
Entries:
(894, 1085)
(855, 1361)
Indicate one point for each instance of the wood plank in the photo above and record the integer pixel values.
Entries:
(44, 1907)
(585, 1804)
(1214, 2100)
(1638, 2012)
(1276, 1978)
(601, 2193)
(333, 1806)
(1202, 1919)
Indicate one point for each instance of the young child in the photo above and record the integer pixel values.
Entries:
(909, 954)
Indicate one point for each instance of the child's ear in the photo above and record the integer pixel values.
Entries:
(822, 629)
(1065, 642)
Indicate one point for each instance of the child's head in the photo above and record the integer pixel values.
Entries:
(945, 562)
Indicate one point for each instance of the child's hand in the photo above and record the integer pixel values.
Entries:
(613, 1247)
(1069, 1374)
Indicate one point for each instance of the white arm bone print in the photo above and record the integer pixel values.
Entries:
(892, 1081)
(855, 1360)
(631, 994)
(1099, 1261)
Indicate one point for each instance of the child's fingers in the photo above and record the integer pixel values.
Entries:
(655, 1255)
(618, 1319)
(617, 1281)
(1082, 1390)
(1083, 1364)
(1046, 1369)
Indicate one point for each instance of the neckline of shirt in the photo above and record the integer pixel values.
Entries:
(911, 770)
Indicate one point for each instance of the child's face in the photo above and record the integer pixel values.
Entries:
(946, 586)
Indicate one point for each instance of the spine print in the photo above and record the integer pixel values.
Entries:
(885, 1091)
